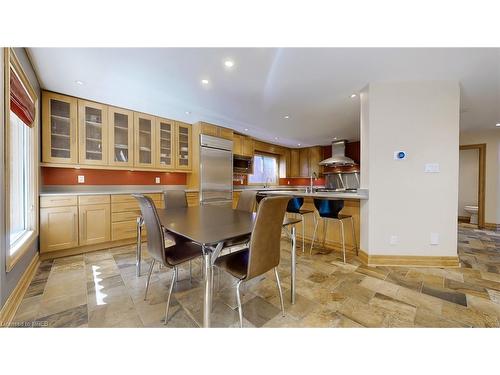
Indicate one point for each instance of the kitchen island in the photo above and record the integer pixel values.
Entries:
(332, 240)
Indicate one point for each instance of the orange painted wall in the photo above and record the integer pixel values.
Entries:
(69, 176)
(301, 181)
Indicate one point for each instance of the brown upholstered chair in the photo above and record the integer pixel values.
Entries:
(246, 202)
(175, 199)
(173, 256)
(263, 253)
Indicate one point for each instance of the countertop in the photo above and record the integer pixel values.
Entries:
(280, 187)
(361, 194)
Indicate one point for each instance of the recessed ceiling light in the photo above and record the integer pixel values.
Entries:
(498, 125)
(353, 96)
(276, 138)
(78, 82)
(286, 117)
(228, 63)
(205, 82)
(334, 138)
(187, 113)
(298, 144)
(246, 129)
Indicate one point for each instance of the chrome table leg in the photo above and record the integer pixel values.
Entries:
(138, 249)
(207, 301)
(294, 264)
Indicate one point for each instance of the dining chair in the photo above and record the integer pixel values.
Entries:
(172, 256)
(175, 198)
(246, 202)
(263, 252)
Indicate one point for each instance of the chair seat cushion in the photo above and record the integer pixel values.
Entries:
(182, 252)
(235, 263)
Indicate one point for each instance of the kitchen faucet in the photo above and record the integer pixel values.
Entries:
(315, 176)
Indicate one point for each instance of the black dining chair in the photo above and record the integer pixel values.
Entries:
(175, 199)
(263, 252)
(171, 257)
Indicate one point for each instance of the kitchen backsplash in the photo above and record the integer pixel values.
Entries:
(69, 176)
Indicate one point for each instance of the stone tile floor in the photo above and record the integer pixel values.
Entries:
(100, 289)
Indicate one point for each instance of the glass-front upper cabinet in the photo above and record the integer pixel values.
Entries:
(93, 132)
(59, 129)
(145, 140)
(165, 135)
(121, 137)
(183, 146)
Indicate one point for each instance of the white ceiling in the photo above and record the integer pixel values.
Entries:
(312, 86)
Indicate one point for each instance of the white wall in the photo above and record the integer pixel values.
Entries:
(421, 118)
(492, 190)
(468, 179)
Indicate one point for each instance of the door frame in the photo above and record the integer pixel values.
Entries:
(482, 179)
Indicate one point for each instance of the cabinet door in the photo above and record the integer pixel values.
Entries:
(58, 228)
(183, 146)
(294, 163)
(315, 156)
(165, 135)
(59, 129)
(209, 129)
(121, 137)
(93, 133)
(304, 162)
(144, 140)
(225, 133)
(94, 223)
(247, 146)
(237, 144)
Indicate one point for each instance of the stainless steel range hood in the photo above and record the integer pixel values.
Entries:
(338, 157)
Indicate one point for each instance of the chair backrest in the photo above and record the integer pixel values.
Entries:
(294, 205)
(175, 199)
(329, 208)
(246, 202)
(266, 236)
(156, 240)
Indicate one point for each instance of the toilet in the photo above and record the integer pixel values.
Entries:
(472, 210)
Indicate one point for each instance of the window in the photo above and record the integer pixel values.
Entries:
(265, 170)
(21, 160)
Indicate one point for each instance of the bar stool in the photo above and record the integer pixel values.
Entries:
(294, 207)
(330, 210)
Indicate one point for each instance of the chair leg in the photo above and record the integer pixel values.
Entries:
(354, 235)
(279, 289)
(303, 233)
(149, 278)
(190, 272)
(343, 239)
(174, 277)
(238, 299)
(324, 233)
(316, 222)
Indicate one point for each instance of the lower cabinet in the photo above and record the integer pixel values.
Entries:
(58, 228)
(193, 198)
(94, 224)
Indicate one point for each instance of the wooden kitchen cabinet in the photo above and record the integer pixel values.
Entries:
(165, 147)
(294, 163)
(304, 162)
(226, 133)
(216, 131)
(92, 133)
(247, 146)
(121, 137)
(58, 228)
(237, 144)
(94, 223)
(315, 156)
(183, 146)
(145, 140)
(59, 128)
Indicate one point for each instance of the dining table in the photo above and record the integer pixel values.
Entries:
(211, 226)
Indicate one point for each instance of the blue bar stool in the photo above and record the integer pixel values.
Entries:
(294, 207)
(330, 210)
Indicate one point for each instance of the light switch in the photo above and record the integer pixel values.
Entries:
(393, 240)
(434, 238)
(81, 179)
(157, 180)
(431, 168)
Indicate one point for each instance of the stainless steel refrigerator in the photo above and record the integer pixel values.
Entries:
(216, 170)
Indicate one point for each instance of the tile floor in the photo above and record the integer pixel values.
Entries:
(100, 289)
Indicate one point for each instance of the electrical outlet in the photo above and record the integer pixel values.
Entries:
(81, 179)
(434, 238)
(393, 240)
(157, 180)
